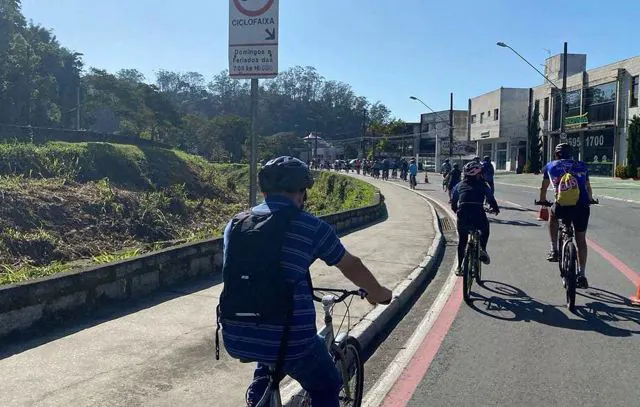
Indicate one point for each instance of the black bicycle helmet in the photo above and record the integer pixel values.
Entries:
(285, 174)
(563, 150)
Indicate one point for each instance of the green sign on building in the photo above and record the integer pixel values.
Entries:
(576, 120)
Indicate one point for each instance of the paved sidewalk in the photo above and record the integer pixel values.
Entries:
(163, 355)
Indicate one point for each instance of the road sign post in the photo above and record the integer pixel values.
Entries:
(253, 54)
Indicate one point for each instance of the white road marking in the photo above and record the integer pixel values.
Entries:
(376, 395)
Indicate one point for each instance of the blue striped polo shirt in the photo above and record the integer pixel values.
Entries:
(309, 239)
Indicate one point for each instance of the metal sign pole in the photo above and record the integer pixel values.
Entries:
(253, 166)
(253, 54)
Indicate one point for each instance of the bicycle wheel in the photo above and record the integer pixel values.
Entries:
(569, 256)
(351, 368)
(478, 269)
(467, 269)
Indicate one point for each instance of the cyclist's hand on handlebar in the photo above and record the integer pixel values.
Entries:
(594, 201)
(382, 296)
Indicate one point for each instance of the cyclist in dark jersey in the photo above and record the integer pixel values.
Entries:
(578, 215)
(467, 200)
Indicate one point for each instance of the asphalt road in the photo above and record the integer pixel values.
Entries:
(518, 344)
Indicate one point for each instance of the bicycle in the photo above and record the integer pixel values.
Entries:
(344, 349)
(568, 262)
(412, 181)
(471, 264)
(445, 182)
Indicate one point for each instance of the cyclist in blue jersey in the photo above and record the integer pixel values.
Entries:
(489, 171)
(413, 171)
(578, 215)
(467, 200)
(284, 182)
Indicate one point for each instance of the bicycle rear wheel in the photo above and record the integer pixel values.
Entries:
(570, 260)
(478, 271)
(351, 368)
(467, 278)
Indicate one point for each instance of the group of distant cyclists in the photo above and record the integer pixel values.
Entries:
(473, 187)
(386, 168)
(268, 251)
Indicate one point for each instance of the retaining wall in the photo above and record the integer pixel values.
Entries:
(36, 304)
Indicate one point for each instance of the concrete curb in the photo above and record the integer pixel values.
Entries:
(375, 320)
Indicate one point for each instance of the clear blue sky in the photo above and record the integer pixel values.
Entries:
(386, 50)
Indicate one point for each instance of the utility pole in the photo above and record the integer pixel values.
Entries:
(419, 139)
(563, 104)
(78, 108)
(253, 168)
(451, 127)
(364, 131)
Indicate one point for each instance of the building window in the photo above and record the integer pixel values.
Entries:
(473, 118)
(601, 102)
(536, 106)
(545, 112)
(501, 156)
(495, 114)
(481, 117)
(488, 114)
(635, 82)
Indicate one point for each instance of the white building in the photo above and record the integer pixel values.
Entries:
(600, 104)
(434, 138)
(319, 148)
(498, 123)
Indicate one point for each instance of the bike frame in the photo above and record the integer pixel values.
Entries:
(333, 346)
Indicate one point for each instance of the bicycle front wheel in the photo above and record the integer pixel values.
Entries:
(467, 278)
(570, 260)
(351, 367)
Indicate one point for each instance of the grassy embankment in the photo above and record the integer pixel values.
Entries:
(65, 206)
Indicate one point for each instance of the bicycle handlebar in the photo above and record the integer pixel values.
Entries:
(547, 203)
(344, 294)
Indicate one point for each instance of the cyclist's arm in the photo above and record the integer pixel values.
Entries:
(354, 269)
(454, 199)
(490, 198)
(545, 184)
(588, 186)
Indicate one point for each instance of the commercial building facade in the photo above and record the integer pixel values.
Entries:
(434, 137)
(600, 104)
(498, 123)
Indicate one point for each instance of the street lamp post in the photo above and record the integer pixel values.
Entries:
(436, 126)
(563, 91)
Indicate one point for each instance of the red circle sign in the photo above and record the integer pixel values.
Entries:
(253, 13)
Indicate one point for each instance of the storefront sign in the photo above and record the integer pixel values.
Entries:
(576, 120)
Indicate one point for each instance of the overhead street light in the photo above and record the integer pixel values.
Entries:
(563, 91)
(442, 118)
(503, 45)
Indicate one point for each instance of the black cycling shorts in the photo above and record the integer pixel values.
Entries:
(578, 215)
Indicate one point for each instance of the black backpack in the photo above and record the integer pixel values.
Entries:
(256, 290)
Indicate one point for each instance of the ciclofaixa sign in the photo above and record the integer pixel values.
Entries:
(253, 38)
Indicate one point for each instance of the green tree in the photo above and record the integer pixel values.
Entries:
(535, 160)
(633, 147)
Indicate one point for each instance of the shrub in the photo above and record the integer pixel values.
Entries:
(621, 171)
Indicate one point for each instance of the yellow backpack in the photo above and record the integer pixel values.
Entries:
(568, 190)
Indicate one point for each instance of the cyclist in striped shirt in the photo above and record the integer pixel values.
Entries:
(284, 182)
